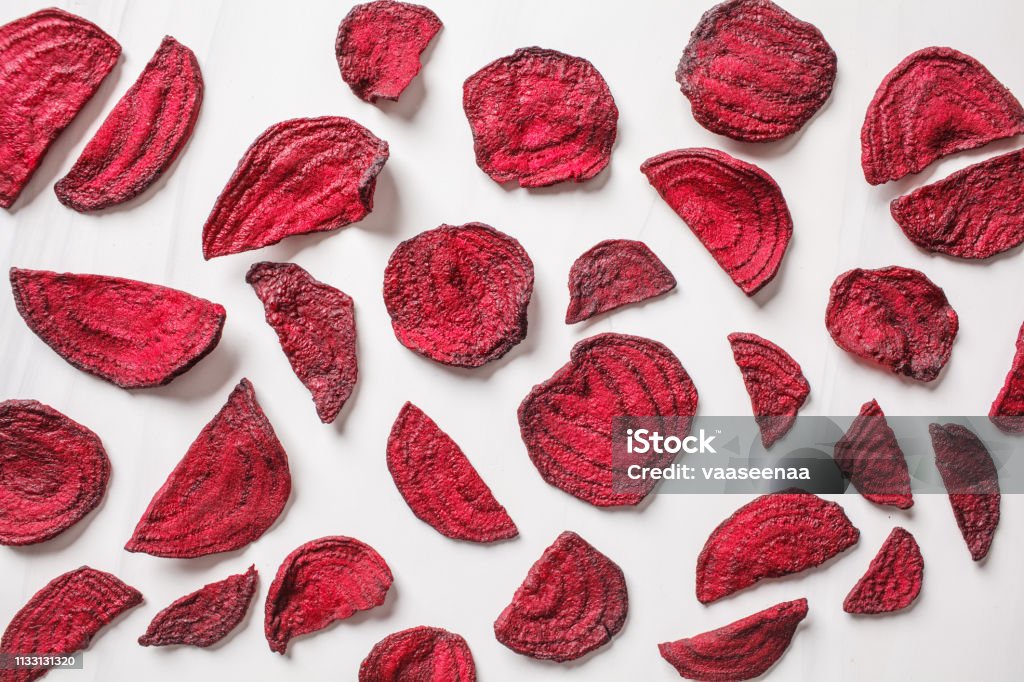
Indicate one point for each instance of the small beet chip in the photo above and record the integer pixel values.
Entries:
(893, 580)
(1007, 410)
(774, 381)
(869, 455)
(421, 654)
(614, 273)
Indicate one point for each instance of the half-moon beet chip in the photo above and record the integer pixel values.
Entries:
(300, 176)
(323, 581)
(1007, 411)
(133, 334)
(458, 294)
(573, 601)
(893, 580)
(895, 317)
(421, 654)
(734, 208)
(226, 491)
(936, 102)
(869, 455)
(774, 382)
(51, 64)
(540, 117)
(614, 273)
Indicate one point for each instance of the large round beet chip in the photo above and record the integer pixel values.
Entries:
(1007, 411)
(869, 455)
(893, 580)
(774, 381)
(421, 654)
(614, 273)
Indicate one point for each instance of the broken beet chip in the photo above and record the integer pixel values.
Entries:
(423, 654)
(895, 317)
(936, 102)
(300, 176)
(614, 273)
(774, 381)
(893, 580)
(379, 46)
(133, 334)
(51, 64)
(440, 484)
(458, 294)
(323, 581)
(226, 491)
(869, 455)
(741, 650)
(734, 208)
(540, 117)
(573, 601)
(316, 326)
(1007, 410)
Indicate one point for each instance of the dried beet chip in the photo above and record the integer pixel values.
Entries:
(226, 491)
(893, 580)
(573, 601)
(379, 46)
(774, 381)
(614, 273)
(1007, 410)
(421, 654)
(566, 422)
(133, 334)
(936, 102)
(774, 535)
(869, 455)
(458, 295)
(299, 176)
(741, 650)
(316, 326)
(540, 117)
(734, 208)
(51, 64)
(894, 316)
(440, 484)
(323, 581)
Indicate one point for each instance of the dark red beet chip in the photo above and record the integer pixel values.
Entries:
(227, 490)
(540, 117)
(734, 208)
(440, 484)
(300, 176)
(316, 326)
(51, 64)
(895, 317)
(614, 273)
(323, 581)
(573, 601)
(205, 616)
(893, 580)
(936, 102)
(133, 334)
(1007, 410)
(774, 381)
(566, 422)
(379, 45)
(458, 295)
(741, 650)
(421, 654)
(869, 455)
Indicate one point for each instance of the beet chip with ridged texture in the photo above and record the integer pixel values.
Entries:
(1007, 411)
(893, 580)
(774, 381)
(421, 654)
(614, 273)
(869, 455)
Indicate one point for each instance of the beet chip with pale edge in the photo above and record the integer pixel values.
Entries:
(869, 455)
(893, 580)
(774, 382)
(1007, 410)
(614, 273)
(573, 601)
(421, 654)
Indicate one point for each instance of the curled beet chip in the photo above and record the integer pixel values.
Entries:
(895, 317)
(614, 273)
(936, 102)
(422, 654)
(51, 64)
(226, 491)
(302, 175)
(774, 381)
(1007, 410)
(734, 208)
(869, 455)
(893, 580)
(540, 117)
(573, 601)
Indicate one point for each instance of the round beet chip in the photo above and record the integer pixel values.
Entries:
(869, 455)
(893, 580)
(774, 381)
(421, 654)
(1007, 411)
(540, 117)
(614, 273)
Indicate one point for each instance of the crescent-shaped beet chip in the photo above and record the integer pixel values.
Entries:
(133, 334)
(440, 484)
(51, 64)
(936, 102)
(573, 601)
(893, 580)
(869, 455)
(734, 208)
(421, 654)
(323, 581)
(299, 176)
(1007, 411)
(774, 382)
(226, 491)
(614, 273)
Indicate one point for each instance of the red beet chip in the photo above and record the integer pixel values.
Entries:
(51, 64)
(300, 176)
(440, 484)
(226, 491)
(458, 295)
(614, 273)
(133, 334)
(869, 455)
(734, 208)
(893, 580)
(316, 326)
(573, 601)
(895, 317)
(421, 654)
(1007, 410)
(936, 102)
(741, 650)
(540, 117)
(379, 45)
(323, 581)
(774, 381)
(566, 422)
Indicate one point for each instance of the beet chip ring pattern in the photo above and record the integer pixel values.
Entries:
(421, 654)
(893, 580)
(774, 381)
(1007, 411)
(614, 273)
(870, 456)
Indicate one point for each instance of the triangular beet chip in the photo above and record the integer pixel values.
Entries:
(1007, 410)
(614, 273)
(421, 654)
(774, 381)
(893, 580)
(869, 455)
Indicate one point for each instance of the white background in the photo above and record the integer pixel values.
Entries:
(264, 62)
